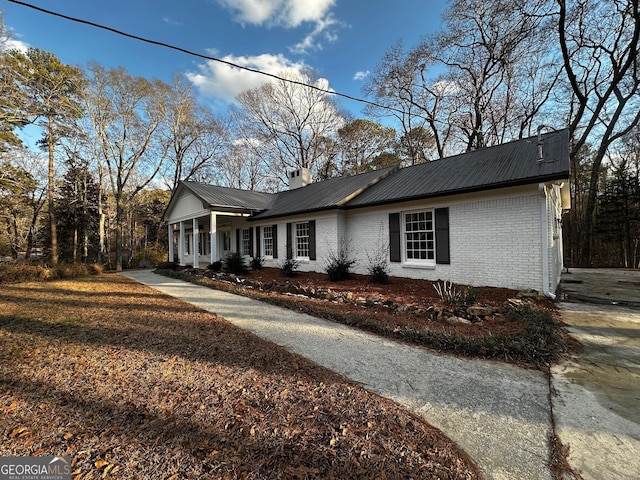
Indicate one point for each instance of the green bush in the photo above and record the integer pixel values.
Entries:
(289, 267)
(234, 263)
(215, 266)
(256, 263)
(379, 273)
(338, 265)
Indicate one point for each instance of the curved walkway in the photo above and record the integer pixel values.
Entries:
(497, 413)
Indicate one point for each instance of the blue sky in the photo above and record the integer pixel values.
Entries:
(342, 40)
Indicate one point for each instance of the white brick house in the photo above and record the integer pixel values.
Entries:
(491, 217)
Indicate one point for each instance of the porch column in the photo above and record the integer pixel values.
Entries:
(181, 244)
(213, 232)
(196, 244)
(171, 253)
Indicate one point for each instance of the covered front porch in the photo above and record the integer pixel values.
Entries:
(200, 241)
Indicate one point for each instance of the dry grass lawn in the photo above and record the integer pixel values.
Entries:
(134, 384)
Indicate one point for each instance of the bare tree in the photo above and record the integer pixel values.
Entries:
(193, 134)
(291, 123)
(599, 44)
(126, 114)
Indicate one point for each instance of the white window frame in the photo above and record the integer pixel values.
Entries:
(187, 243)
(415, 231)
(299, 240)
(245, 242)
(267, 241)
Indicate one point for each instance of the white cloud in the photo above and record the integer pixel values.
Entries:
(13, 43)
(224, 82)
(170, 21)
(288, 14)
(284, 13)
(361, 75)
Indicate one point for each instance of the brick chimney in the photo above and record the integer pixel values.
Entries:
(299, 178)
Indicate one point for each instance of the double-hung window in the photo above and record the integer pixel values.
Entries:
(267, 241)
(246, 241)
(419, 237)
(301, 240)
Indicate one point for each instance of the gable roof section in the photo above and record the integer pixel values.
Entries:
(223, 199)
(328, 194)
(510, 164)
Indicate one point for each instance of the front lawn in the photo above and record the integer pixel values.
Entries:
(134, 384)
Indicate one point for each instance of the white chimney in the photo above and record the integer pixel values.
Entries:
(299, 178)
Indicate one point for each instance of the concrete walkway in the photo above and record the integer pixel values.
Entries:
(497, 413)
(597, 401)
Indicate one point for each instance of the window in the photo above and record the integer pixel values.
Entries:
(246, 241)
(267, 241)
(204, 243)
(419, 237)
(187, 243)
(301, 240)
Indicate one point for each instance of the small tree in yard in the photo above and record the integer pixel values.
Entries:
(338, 264)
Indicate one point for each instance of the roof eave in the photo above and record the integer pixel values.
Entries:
(475, 189)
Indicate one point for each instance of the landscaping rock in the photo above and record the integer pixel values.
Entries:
(453, 320)
(480, 311)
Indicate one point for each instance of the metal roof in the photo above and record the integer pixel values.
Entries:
(331, 193)
(227, 199)
(509, 164)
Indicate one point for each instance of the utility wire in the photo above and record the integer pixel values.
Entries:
(199, 55)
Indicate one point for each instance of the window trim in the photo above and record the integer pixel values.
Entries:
(245, 242)
(417, 262)
(264, 240)
(295, 236)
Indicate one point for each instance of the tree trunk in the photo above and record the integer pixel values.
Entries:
(50, 196)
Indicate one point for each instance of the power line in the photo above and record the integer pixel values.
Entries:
(200, 55)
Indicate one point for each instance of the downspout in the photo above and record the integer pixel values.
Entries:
(544, 237)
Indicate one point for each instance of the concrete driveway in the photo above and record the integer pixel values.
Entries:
(597, 401)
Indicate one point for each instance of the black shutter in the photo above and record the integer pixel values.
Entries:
(274, 234)
(312, 239)
(258, 242)
(289, 244)
(394, 237)
(442, 235)
(238, 240)
(251, 241)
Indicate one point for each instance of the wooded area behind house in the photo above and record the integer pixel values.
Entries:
(112, 147)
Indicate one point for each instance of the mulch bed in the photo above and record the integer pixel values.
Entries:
(134, 384)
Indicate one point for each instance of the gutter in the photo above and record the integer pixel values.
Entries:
(544, 237)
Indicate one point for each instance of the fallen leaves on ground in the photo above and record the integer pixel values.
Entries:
(134, 384)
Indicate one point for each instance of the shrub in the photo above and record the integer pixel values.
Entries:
(378, 267)
(234, 263)
(454, 294)
(256, 263)
(215, 266)
(169, 266)
(149, 256)
(289, 267)
(71, 270)
(95, 269)
(379, 273)
(338, 265)
(16, 272)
